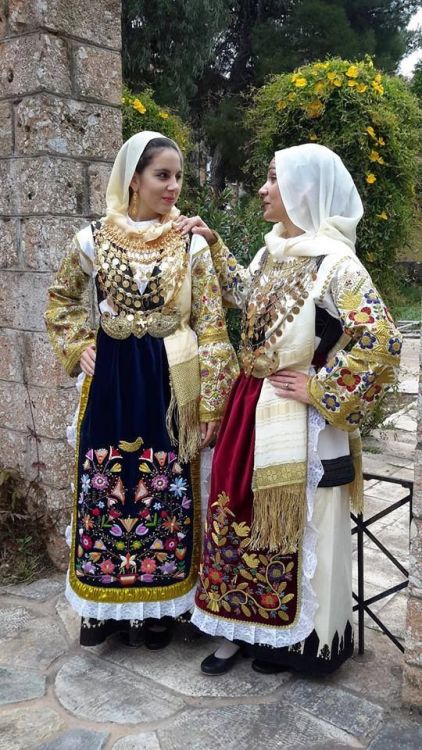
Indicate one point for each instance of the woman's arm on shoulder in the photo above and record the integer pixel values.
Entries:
(356, 375)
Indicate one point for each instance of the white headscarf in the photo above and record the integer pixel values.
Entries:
(320, 197)
(117, 195)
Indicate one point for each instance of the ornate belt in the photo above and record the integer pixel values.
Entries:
(157, 324)
(257, 363)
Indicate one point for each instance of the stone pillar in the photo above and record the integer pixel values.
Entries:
(60, 128)
(412, 673)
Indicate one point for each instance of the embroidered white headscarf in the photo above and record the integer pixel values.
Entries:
(117, 195)
(320, 197)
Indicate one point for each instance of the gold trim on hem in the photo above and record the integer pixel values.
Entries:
(152, 594)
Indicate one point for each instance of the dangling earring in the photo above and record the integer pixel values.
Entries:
(133, 207)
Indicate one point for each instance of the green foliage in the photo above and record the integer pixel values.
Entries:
(24, 525)
(167, 44)
(141, 112)
(371, 120)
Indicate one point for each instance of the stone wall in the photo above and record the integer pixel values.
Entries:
(60, 127)
(412, 673)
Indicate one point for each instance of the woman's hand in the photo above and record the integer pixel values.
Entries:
(209, 432)
(87, 360)
(291, 384)
(184, 225)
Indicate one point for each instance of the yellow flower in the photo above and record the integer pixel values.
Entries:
(371, 132)
(378, 78)
(337, 82)
(163, 115)
(315, 108)
(281, 104)
(292, 97)
(313, 136)
(374, 155)
(370, 178)
(331, 75)
(301, 82)
(381, 142)
(351, 84)
(319, 87)
(352, 72)
(377, 87)
(137, 104)
(361, 88)
(383, 215)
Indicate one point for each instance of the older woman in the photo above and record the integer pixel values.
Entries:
(318, 349)
(155, 378)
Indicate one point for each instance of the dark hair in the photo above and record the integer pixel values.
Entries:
(156, 144)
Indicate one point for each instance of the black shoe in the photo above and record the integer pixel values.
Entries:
(213, 665)
(131, 639)
(155, 640)
(268, 667)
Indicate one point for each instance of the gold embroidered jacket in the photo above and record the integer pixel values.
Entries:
(367, 356)
(67, 323)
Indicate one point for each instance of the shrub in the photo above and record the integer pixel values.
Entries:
(371, 120)
(141, 112)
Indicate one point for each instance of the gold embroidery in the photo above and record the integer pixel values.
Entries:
(270, 476)
(131, 447)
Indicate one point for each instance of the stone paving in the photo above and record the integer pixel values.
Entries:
(54, 695)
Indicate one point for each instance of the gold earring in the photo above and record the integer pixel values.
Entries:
(133, 207)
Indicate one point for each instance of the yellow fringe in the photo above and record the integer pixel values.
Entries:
(278, 518)
(189, 431)
(171, 415)
(356, 487)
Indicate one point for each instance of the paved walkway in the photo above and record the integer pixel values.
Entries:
(56, 696)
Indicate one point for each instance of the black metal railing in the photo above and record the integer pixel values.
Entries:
(361, 528)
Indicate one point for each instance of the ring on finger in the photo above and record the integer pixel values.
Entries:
(286, 386)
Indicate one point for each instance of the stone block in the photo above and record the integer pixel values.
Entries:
(18, 450)
(24, 729)
(77, 739)
(41, 365)
(15, 413)
(417, 485)
(41, 590)
(145, 701)
(23, 299)
(6, 129)
(18, 685)
(56, 125)
(98, 175)
(144, 741)
(98, 73)
(57, 462)
(47, 184)
(413, 652)
(3, 18)
(35, 62)
(412, 687)
(53, 409)
(10, 356)
(9, 255)
(415, 557)
(58, 551)
(97, 21)
(45, 241)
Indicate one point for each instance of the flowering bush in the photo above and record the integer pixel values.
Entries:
(371, 120)
(141, 112)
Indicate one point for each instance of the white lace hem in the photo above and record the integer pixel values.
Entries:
(276, 636)
(129, 610)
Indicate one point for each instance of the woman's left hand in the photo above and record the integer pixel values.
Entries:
(291, 384)
(209, 432)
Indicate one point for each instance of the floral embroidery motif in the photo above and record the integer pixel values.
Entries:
(352, 382)
(217, 360)
(238, 583)
(148, 546)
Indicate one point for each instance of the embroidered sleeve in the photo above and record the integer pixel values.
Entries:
(347, 388)
(66, 317)
(234, 279)
(217, 359)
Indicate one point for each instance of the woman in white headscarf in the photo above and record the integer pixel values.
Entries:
(318, 348)
(154, 378)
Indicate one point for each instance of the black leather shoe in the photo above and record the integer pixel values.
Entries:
(213, 665)
(155, 640)
(267, 667)
(131, 639)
